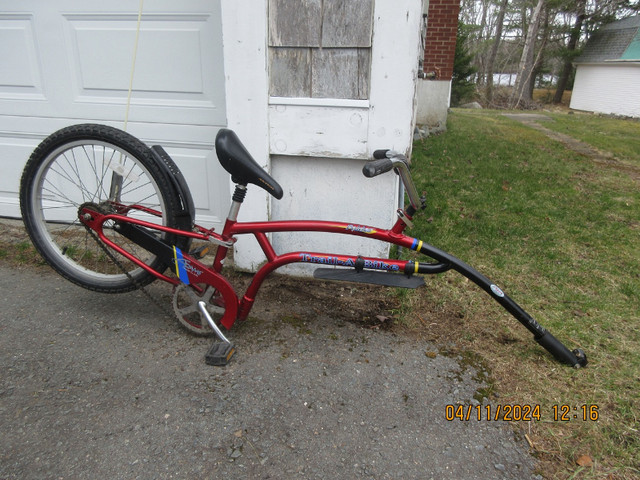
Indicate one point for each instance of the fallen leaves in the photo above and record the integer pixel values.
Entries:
(585, 461)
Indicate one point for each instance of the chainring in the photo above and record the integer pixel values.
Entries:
(185, 307)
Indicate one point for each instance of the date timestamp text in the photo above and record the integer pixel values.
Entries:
(517, 413)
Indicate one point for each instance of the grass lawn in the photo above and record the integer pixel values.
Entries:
(559, 232)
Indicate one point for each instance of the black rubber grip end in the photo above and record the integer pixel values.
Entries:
(379, 154)
(376, 167)
(561, 353)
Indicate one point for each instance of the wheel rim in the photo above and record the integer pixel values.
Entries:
(83, 172)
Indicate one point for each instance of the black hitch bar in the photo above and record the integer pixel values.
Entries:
(576, 358)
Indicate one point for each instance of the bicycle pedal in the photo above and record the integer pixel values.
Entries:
(200, 252)
(220, 354)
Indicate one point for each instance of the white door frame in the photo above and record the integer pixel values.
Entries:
(265, 124)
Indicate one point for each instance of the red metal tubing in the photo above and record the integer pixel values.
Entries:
(389, 236)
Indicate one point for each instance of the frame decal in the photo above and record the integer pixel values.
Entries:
(373, 264)
(360, 229)
(327, 260)
(496, 290)
(182, 264)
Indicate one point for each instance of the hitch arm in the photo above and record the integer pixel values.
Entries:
(560, 352)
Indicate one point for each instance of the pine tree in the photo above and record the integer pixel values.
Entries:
(462, 87)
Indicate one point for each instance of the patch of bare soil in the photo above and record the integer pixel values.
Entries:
(12, 232)
(293, 299)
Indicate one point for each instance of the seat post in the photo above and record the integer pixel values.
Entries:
(236, 200)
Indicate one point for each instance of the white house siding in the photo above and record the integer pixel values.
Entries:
(319, 145)
(610, 88)
(69, 61)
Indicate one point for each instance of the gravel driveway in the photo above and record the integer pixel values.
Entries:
(97, 386)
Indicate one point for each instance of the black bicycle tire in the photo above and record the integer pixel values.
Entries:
(123, 141)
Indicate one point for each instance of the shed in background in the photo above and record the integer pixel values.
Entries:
(608, 71)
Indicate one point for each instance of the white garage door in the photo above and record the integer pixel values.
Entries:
(70, 61)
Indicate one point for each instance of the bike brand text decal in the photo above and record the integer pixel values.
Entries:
(360, 228)
(183, 266)
(380, 265)
(346, 262)
(327, 260)
(496, 289)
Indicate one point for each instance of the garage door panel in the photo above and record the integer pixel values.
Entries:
(20, 73)
(171, 67)
(13, 148)
(172, 70)
(76, 63)
(162, 55)
(70, 61)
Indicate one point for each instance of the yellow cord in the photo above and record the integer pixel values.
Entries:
(133, 65)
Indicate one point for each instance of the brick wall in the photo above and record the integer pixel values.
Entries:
(440, 42)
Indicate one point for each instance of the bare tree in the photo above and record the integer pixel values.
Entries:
(539, 62)
(574, 36)
(545, 35)
(494, 50)
(522, 90)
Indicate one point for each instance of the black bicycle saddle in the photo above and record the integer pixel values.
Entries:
(236, 160)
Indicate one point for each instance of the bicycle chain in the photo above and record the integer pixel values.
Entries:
(137, 284)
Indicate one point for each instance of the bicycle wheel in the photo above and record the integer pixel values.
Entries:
(110, 170)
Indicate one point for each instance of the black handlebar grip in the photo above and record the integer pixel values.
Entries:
(379, 154)
(560, 352)
(376, 167)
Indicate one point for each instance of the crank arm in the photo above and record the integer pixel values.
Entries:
(220, 352)
(202, 307)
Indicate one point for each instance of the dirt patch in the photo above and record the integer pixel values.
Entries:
(370, 307)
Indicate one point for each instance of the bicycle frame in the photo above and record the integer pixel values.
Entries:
(203, 290)
(274, 261)
(191, 271)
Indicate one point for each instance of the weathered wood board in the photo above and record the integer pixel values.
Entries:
(320, 48)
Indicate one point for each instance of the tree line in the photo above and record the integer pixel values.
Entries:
(531, 39)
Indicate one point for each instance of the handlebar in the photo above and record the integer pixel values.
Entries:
(379, 154)
(385, 160)
(376, 167)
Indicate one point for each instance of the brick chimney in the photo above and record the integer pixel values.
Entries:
(440, 42)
